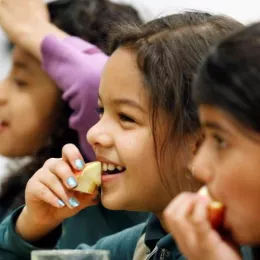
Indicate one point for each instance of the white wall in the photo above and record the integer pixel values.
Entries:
(244, 11)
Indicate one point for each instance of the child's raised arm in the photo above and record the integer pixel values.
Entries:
(75, 65)
(27, 24)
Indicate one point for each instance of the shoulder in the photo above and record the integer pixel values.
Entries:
(121, 245)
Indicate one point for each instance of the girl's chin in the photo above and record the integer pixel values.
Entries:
(245, 238)
(109, 202)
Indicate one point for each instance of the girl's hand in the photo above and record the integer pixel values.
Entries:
(49, 195)
(186, 218)
(17, 15)
(26, 23)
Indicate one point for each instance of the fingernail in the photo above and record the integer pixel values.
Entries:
(61, 203)
(73, 202)
(71, 181)
(79, 164)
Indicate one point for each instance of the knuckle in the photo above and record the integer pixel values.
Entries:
(168, 213)
(43, 193)
(67, 148)
(186, 195)
(52, 179)
(62, 169)
(50, 161)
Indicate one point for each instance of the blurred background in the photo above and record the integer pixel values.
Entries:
(245, 11)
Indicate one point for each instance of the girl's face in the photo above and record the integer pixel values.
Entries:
(229, 163)
(123, 139)
(28, 99)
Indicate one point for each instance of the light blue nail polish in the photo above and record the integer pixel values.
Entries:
(79, 164)
(61, 203)
(71, 181)
(73, 202)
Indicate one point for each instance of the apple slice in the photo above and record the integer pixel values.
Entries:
(215, 209)
(89, 178)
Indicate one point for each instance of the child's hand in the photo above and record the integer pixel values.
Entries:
(17, 15)
(49, 195)
(26, 24)
(186, 218)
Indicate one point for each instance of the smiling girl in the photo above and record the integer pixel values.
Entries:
(145, 138)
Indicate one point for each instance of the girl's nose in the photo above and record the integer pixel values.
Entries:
(100, 135)
(201, 166)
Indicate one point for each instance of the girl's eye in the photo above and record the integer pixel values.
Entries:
(20, 83)
(100, 111)
(221, 142)
(126, 118)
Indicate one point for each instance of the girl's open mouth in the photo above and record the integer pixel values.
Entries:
(110, 169)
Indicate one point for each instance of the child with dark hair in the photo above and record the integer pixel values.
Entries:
(148, 131)
(41, 111)
(228, 95)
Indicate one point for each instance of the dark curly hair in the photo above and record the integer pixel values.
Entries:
(90, 20)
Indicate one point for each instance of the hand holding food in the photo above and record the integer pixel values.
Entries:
(192, 220)
(51, 196)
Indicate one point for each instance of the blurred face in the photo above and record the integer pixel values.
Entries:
(123, 140)
(28, 100)
(229, 163)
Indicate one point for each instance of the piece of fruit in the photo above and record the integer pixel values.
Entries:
(215, 209)
(89, 178)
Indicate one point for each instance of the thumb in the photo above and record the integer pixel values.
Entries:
(86, 199)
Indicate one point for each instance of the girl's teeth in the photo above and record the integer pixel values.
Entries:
(111, 167)
(104, 167)
(119, 168)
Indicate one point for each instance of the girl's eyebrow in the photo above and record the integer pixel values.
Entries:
(125, 101)
(20, 65)
(213, 125)
(129, 102)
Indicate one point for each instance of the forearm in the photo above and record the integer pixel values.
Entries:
(30, 230)
(31, 37)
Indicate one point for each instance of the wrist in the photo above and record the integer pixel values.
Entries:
(30, 229)
(30, 37)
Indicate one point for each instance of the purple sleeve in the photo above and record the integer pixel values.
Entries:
(76, 66)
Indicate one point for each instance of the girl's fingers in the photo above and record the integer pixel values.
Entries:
(71, 155)
(43, 193)
(63, 171)
(177, 217)
(199, 217)
(177, 213)
(180, 207)
(55, 185)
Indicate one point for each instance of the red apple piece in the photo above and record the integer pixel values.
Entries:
(215, 209)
